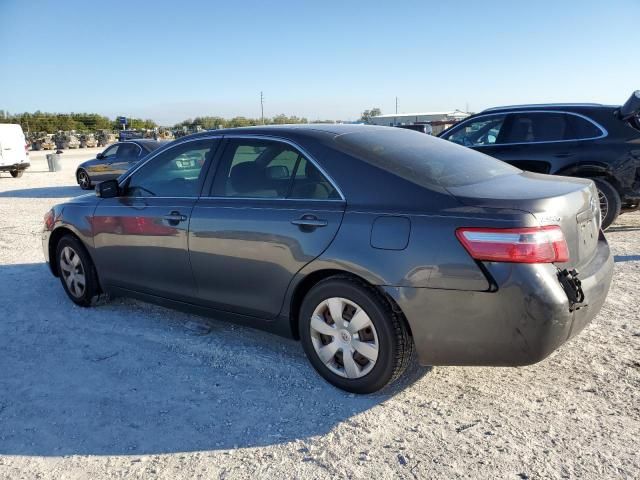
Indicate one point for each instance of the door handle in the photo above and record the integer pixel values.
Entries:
(174, 218)
(309, 222)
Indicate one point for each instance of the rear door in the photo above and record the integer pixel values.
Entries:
(540, 142)
(141, 237)
(12, 145)
(270, 211)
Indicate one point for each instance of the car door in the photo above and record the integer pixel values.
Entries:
(535, 141)
(127, 155)
(99, 170)
(140, 237)
(270, 211)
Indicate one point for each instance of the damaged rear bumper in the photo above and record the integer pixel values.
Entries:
(523, 321)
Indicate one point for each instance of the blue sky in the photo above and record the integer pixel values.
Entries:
(169, 60)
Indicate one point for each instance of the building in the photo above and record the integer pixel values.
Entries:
(439, 121)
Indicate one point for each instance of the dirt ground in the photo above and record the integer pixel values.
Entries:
(131, 390)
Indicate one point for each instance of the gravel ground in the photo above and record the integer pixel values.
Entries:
(133, 390)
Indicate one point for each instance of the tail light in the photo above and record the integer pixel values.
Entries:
(517, 245)
(26, 148)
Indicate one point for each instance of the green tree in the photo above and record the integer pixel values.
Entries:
(367, 114)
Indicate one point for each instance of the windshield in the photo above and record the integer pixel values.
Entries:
(422, 159)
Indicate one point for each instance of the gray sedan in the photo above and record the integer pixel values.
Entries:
(115, 160)
(369, 244)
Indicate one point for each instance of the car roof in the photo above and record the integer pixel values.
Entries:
(302, 129)
(572, 107)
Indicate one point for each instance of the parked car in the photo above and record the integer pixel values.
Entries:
(113, 161)
(600, 142)
(418, 127)
(14, 150)
(364, 242)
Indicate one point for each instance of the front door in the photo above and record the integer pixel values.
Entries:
(127, 155)
(141, 237)
(269, 213)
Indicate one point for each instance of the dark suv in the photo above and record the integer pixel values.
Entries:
(600, 142)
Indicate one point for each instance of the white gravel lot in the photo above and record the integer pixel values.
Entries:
(130, 390)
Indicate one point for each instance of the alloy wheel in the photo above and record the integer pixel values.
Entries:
(72, 271)
(83, 180)
(344, 337)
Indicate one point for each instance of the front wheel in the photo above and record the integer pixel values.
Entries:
(77, 272)
(83, 180)
(352, 336)
(16, 173)
(610, 202)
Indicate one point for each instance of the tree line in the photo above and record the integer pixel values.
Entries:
(54, 122)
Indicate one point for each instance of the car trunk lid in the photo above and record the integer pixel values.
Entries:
(569, 202)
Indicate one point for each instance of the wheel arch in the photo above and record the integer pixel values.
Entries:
(591, 170)
(54, 238)
(308, 281)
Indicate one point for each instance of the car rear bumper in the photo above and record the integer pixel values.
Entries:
(15, 166)
(523, 321)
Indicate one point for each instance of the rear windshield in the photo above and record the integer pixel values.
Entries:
(421, 158)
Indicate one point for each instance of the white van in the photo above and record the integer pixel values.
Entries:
(14, 153)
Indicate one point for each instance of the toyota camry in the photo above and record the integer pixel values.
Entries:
(368, 244)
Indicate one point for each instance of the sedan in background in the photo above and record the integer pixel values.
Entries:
(114, 161)
(366, 243)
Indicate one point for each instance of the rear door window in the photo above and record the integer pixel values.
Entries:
(530, 127)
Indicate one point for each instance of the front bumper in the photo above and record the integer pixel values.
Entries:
(520, 323)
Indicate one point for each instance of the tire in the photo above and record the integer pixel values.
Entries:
(610, 202)
(385, 331)
(16, 173)
(73, 260)
(84, 180)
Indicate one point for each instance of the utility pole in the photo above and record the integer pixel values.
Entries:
(396, 105)
(262, 107)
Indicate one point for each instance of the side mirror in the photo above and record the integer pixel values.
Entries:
(108, 189)
(100, 156)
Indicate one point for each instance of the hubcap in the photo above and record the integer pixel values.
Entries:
(344, 337)
(604, 205)
(72, 271)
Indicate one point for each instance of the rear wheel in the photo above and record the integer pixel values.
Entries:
(77, 272)
(16, 173)
(352, 336)
(83, 180)
(610, 202)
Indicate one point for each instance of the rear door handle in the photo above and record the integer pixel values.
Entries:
(174, 218)
(309, 222)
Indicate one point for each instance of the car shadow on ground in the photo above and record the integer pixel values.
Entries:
(131, 378)
(45, 192)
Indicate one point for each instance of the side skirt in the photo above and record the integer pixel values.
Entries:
(279, 326)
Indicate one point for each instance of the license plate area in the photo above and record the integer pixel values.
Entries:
(587, 236)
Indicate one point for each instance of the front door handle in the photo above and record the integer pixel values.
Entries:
(174, 218)
(309, 222)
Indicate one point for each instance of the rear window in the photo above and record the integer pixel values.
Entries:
(422, 159)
